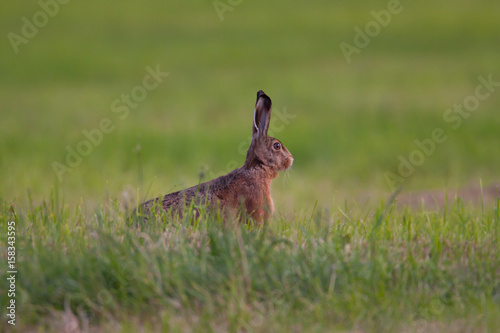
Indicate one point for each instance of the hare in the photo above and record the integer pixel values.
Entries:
(248, 187)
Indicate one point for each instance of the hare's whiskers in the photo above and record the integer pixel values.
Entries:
(285, 175)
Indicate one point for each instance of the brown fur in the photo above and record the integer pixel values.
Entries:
(249, 186)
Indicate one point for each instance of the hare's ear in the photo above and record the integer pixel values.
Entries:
(262, 114)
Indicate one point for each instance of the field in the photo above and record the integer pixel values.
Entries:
(105, 104)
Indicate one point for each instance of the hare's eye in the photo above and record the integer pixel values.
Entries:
(277, 146)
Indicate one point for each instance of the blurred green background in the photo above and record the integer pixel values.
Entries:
(351, 120)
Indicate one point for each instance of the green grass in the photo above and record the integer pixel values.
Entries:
(346, 269)
(324, 262)
(352, 120)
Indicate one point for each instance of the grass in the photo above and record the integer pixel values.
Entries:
(351, 123)
(346, 269)
(335, 256)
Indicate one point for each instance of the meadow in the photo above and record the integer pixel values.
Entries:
(159, 95)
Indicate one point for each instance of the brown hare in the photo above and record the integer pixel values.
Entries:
(248, 187)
